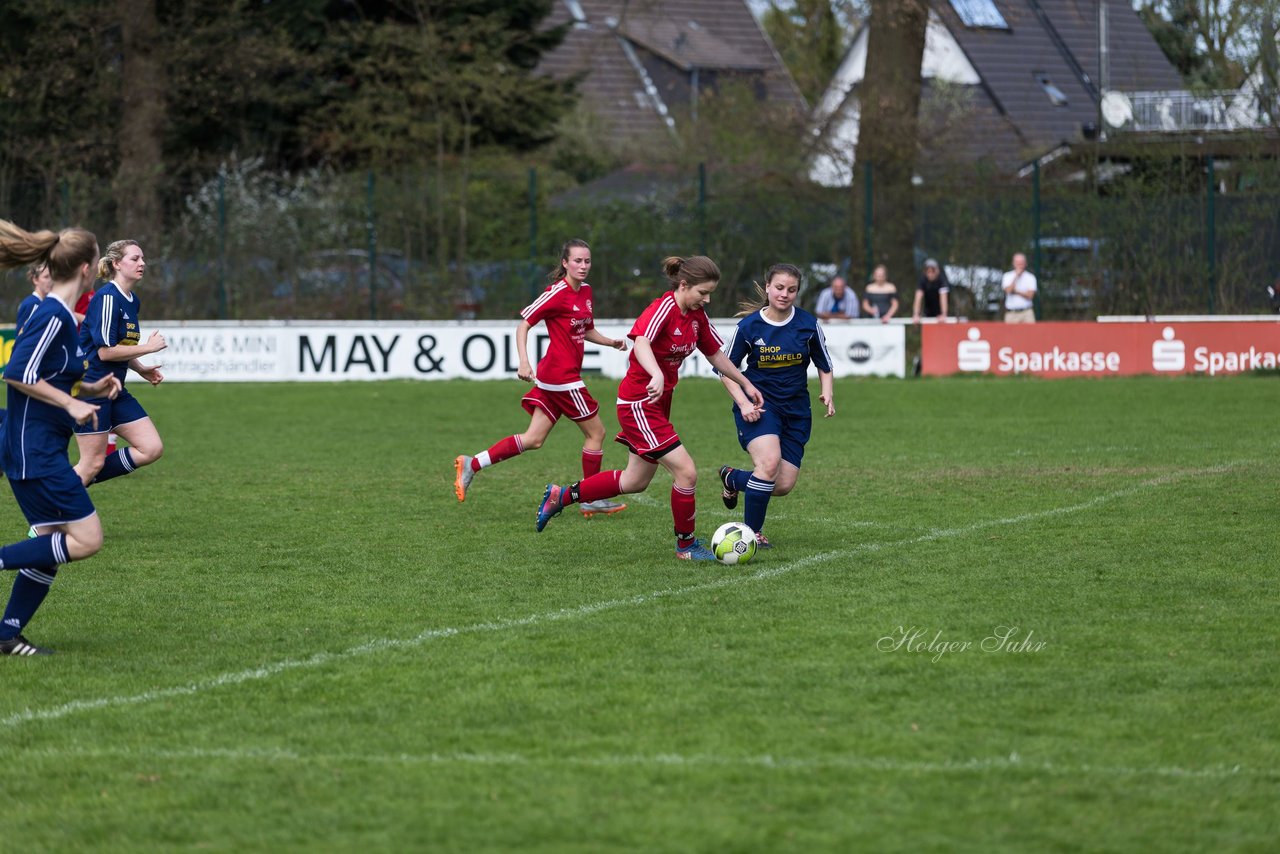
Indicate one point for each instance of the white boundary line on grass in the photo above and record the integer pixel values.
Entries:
(267, 671)
(768, 762)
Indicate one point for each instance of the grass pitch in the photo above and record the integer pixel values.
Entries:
(1000, 615)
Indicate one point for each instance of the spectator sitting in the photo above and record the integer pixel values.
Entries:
(837, 302)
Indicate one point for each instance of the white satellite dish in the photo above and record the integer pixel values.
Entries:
(1116, 109)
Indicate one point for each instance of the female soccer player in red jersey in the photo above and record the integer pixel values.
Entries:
(671, 328)
(565, 307)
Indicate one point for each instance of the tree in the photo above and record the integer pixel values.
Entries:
(57, 95)
(1210, 42)
(809, 36)
(889, 98)
(142, 121)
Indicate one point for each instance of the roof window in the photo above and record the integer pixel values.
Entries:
(979, 14)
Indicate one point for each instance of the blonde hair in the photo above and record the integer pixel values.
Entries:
(693, 270)
(62, 251)
(113, 255)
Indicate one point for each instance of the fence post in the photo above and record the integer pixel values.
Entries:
(1035, 237)
(533, 232)
(371, 227)
(867, 209)
(1211, 226)
(702, 207)
(222, 244)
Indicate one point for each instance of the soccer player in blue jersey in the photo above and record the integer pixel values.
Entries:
(43, 376)
(778, 340)
(38, 273)
(40, 284)
(112, 340)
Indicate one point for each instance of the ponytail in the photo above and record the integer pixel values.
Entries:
(693, 270)
(114, 254)
(63, 251)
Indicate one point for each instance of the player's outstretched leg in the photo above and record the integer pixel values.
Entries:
(728, 494)
(551, 505)
(462, 476)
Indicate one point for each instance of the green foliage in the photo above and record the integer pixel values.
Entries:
(1212, 43)
(441, 77)
(57, 103)
(810, 36)
(286, 645)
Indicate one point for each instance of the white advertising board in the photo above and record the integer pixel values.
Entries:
(294, 351)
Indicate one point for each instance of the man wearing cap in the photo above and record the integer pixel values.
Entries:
(931, 293)
(1019, 292)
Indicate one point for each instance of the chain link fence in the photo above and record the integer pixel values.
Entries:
(249, 243)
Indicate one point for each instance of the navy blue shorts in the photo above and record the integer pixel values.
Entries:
(792, 432)
(53, 499)
(112, 413)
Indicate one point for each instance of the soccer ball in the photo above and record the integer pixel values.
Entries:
(733, 542)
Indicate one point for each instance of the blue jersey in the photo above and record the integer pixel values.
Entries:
(110, 320)
(24, 311)
(33, 440)
(778, 357)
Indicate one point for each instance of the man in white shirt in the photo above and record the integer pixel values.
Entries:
(837, 302)
(1019, 292)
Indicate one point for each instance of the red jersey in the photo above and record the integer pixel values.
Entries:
(82, 304)
(673, 335)
(567, 314)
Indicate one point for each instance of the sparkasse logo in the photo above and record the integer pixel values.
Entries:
(1058, 360)
(1214, 362)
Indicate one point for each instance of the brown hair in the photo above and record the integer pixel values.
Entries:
(34, 270)
(693, 270)
(751, 306)
(63, 251)
(114, 253)
(559, 272)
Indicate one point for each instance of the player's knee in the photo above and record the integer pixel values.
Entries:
(150, 453)
(89, 466)
(768, 468)
(531, 443)
(84, 544)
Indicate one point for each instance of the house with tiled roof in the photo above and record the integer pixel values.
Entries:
(644, 65)
(1008, 82)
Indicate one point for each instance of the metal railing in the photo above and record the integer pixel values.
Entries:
(1184, 111)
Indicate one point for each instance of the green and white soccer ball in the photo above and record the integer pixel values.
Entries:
(733, 542)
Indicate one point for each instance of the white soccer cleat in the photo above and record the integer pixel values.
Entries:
(462, 476)
(603, 506)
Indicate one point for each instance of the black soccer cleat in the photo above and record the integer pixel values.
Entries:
(21, 646)
(728, 494)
